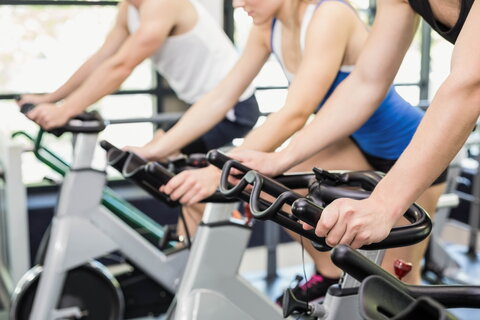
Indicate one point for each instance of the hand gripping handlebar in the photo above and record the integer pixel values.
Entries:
(307, 210)
(87, 122)
(148, 175)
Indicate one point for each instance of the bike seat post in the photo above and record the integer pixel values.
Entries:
(217, 212)
(84, 150)
(375, 255)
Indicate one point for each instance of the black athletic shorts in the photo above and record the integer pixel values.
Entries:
(246, 114)
(385, 165)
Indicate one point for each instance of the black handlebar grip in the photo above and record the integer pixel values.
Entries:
(27, 107)
(106, 145)
(218, 159)
(160, 173)
(17, 97)
(115, 157)
(307, 211)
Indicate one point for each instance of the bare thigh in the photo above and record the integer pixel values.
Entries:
(342, 155)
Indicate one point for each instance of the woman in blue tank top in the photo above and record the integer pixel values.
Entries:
(317, 45)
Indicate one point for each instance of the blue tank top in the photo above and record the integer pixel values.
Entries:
(390, 128)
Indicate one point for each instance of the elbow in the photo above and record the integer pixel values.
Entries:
(373, 82)
(119, 69)
(296, 121)
(465, 88)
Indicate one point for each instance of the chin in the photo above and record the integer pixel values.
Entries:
(258, 21)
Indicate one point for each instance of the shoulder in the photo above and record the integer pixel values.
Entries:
(333, 17)
(156, 9)
(333, 9)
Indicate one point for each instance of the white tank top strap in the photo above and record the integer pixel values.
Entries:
(276, 38)
(194, 62)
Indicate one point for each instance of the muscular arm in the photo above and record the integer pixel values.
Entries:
(112, 43)
(156, 20)
(445, 127)
(358, 96)
(213, 106)
(324, 51)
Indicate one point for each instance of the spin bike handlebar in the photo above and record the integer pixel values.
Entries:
(92, 122)
(148, 175)
(310, 212)
(86, 122)
(360, 267)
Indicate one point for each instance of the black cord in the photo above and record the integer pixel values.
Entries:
(303, 266)
(187, 233)
(304, 273)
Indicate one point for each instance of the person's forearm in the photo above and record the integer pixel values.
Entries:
(74, 82)
(349, 107)
(444, 129)
(104, 80)
(197, 120)
(278, 127)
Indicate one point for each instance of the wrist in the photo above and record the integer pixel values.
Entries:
(50, 98)
(393, 207)
(156, 151)
(67, 109)
(283, 161)
(214, 171)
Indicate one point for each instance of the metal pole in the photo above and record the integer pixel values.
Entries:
(372, 8)
(474, 214)
(272, 238)
(425, 62)
(228, 21)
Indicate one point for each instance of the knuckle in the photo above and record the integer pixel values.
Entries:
(332, 241)
(364, 237)
(355, 227)
(319, 232)
(323, 225)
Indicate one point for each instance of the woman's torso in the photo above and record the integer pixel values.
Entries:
(389, 130)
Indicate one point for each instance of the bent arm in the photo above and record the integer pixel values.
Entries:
(325, 48)
(447, 124)
(359, 95)
(112, 43)
(157, 18)
(214, 105)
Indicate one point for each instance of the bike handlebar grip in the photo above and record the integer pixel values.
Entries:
(218, 159)
(27, 107)
(106, 145)
(160, 173)
(357, 265)
(307, 211)
(115, 157)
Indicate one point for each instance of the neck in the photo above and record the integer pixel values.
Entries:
(290, 13)
(135, 3)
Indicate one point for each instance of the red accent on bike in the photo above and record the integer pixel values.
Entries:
(248, 213)
(401, 268)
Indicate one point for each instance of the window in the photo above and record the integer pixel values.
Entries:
(46, 44)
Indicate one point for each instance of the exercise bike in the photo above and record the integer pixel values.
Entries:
(71, 284)
(341, 301)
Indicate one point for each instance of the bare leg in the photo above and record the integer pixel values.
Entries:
(343, 155)
(193, 216)
(414, 254)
